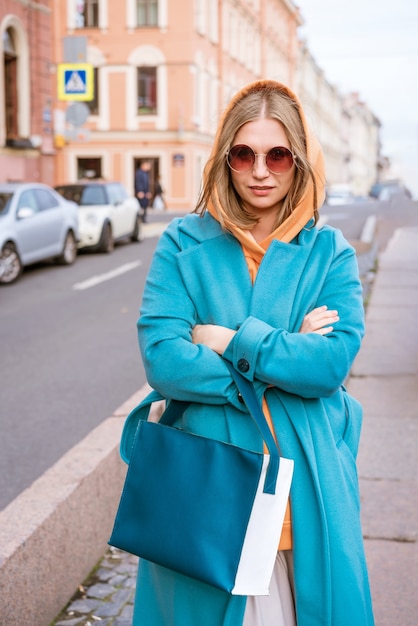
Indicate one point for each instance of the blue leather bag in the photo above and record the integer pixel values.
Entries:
(205, 508)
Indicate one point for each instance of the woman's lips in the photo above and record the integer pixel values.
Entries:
(261, 191)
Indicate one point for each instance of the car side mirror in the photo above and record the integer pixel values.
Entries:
(25, 212)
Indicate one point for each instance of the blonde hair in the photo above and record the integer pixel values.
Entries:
(271, 103)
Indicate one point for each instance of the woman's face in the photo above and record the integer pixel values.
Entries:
(260, 190)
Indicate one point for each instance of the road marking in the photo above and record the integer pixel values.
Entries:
(101, 278)
(369, 229)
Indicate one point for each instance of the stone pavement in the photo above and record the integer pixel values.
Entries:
(385, 380)
(106, 598)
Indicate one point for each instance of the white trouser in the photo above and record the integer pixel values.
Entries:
(277, 609)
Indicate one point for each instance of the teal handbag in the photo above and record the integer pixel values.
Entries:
(204, 508)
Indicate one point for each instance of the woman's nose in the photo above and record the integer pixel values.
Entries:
(260, 169)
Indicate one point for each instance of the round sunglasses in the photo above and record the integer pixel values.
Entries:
(241, 158)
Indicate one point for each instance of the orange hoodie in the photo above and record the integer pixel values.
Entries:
(300, 216)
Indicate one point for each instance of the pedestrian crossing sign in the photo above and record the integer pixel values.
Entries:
(75, 81)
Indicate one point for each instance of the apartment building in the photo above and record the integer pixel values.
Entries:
(348, 131)
(26, 95)
(363, 144)
(163, 71)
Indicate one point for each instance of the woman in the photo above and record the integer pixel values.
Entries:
(252, 280)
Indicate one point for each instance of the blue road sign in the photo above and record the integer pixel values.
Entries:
(75, 81)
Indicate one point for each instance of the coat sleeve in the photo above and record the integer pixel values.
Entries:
(176, 367)
(308, 364)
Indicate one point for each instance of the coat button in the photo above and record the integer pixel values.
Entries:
(243, 365)
(240, 398)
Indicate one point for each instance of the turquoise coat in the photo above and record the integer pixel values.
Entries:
(199, 276)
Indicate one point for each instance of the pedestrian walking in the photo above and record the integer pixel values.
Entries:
(248, 277)
(142, 187)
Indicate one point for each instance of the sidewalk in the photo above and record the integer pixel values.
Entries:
(385, 380)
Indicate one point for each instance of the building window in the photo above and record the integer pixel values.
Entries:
(147, 12)
(93, 105)
(87, 13)
(10, 84)
(89, 168)
(147, 91)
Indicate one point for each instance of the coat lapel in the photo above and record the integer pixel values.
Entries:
(216, 276)
(278, 283)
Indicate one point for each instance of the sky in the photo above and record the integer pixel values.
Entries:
(371, 47)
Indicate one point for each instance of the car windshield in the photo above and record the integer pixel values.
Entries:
(5, 201)
(84, 195)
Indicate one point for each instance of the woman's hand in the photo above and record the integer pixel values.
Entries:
(214, 337)
(319, 320)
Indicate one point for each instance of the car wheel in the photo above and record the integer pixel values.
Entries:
(138, 232)
(69, 251)
(106, 243)
(10, 264)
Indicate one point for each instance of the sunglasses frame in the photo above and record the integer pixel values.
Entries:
(243, 145)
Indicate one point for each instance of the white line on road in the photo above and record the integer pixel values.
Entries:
(369, 229)
(101, 278)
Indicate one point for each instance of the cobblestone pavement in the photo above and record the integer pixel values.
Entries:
(106, 597)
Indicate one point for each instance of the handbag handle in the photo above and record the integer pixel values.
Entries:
(246, 388)
(176, 408)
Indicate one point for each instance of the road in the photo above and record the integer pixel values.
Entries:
(69, 356)
(400, 211)
(69, 353)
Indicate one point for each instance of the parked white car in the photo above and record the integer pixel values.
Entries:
(106, 213)
(36, 224)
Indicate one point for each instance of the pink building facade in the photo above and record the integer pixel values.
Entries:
(26, 97)
(163, 71)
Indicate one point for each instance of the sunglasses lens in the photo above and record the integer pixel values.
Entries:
(279, 160)
(241, 158)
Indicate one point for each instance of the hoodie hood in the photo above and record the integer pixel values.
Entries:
(303, 212)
